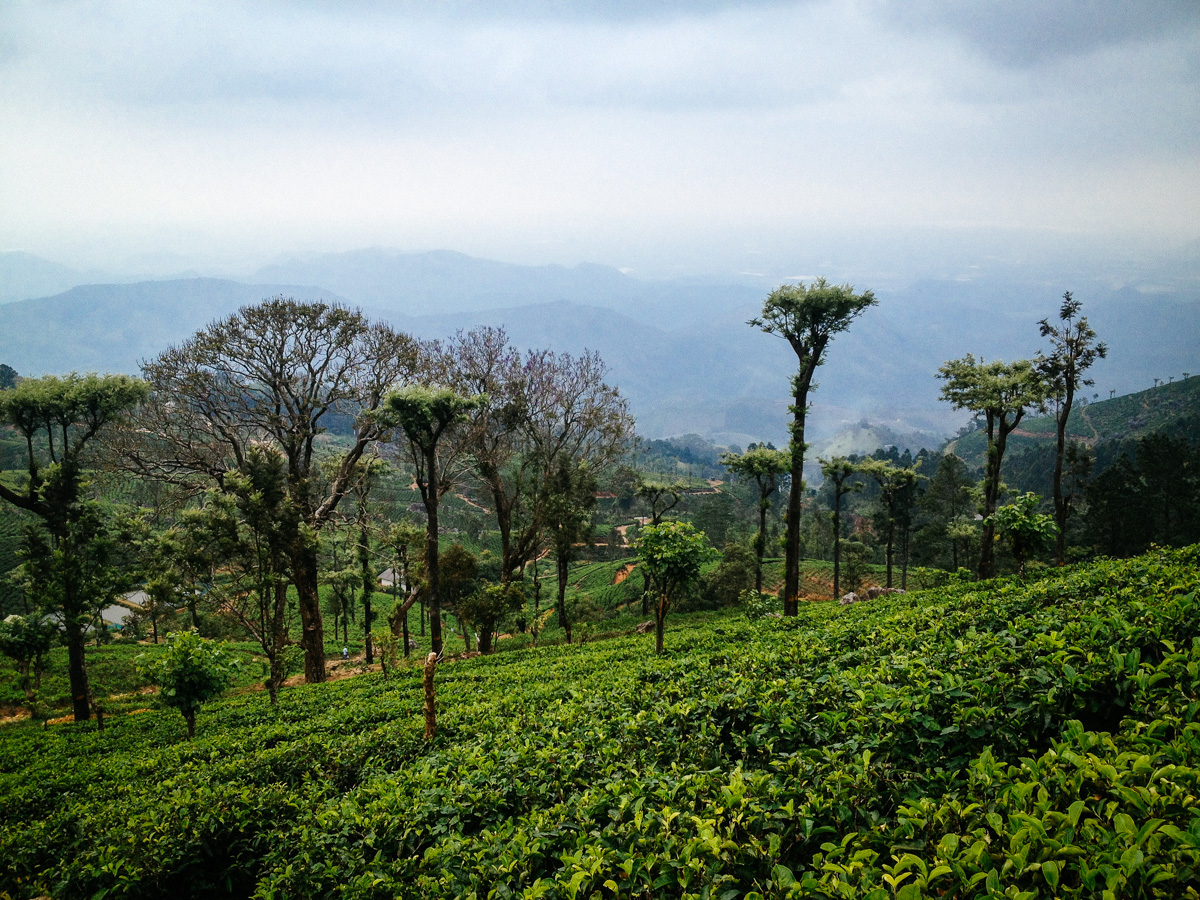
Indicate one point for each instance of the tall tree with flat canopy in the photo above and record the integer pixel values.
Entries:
(277, 372)
(1001, 392)
(766, 467)
(807, 316)
(427, 416)
(1074, 351)
(838, 472)
(60, 418)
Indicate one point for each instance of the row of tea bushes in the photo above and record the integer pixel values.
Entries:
(1011, 739)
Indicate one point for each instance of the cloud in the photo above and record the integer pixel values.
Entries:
(1023, 33)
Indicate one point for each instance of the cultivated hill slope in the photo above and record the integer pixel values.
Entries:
(1120, 419)
(999, 739)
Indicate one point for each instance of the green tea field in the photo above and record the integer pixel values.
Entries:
(996, 739)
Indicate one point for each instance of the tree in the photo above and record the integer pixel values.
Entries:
(489, 604)
(1074, 351)
(807, 317)
(252, 528)
(766, 467)
(660, 498)
(402, 538)
(428, 416)
(190, 672)
(838, 471)
(897, 493)
(1024, 528)
(8, 376)
(26, 640)
(949, 502)
(570, 494)
(1001, 392)
(458, 579)
(675, 552)
(279, 372)
(59, 418)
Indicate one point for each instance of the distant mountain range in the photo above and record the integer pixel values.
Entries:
(680, 350)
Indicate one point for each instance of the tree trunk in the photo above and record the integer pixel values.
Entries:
(278, 640)
(430, 698)
(660, 619)
(791, 552)
(891, 546)
(760, 544)
(431, 553)
(1060, 451)
(486, 632)
(304, 574)
(189, 716)
(562, 561)
(77, 670)
(837, 542)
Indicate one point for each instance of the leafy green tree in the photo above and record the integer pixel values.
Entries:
(257, 556)
(659, 497)
(1024, 529)
(428, 418)
(675, 552)
(59, 418)
(1001, 392)
(732, 577)
(897, 493)
(458, 579)
(27, 640)
(1074, 351)
(949, 499)
(767, 468)
(490, 604)
(807, 317)
(8, 376)
(570, 500)
(278, 372)
(838, 472)
(189, 672)
(404, 540)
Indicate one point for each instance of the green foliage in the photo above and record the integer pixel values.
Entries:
(1025, 529)
(189, 672)
(989, 739)
(732, 577)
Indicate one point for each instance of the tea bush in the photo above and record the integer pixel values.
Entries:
(1002, 739)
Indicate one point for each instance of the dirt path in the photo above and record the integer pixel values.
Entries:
(623, 573)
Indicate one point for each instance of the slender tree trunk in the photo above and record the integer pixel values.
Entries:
(991, 492)
(760, 544)
(562, 561)
(278, 640)
(189, 716)
(304, 574)
(430, 698)
(431, 553)
(486, 633)
(77, 669)
(837, 541)
(368, 587)
(791, 552)
(1060, 451)
(660, 619)
(891, 543)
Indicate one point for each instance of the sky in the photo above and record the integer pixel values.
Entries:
(661, 137)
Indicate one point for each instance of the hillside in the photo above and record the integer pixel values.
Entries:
(679, 349)
(1119, 419)
(1030, 740)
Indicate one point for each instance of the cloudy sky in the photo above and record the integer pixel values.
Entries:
(656, 135)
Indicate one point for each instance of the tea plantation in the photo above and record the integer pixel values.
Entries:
(1002, 739)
